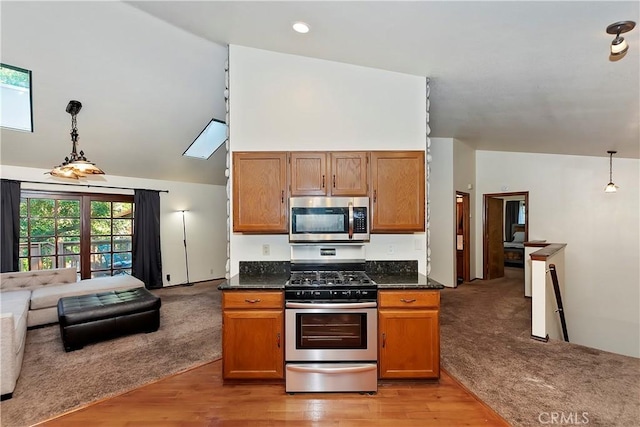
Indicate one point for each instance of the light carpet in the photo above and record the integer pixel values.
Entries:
(53, 382)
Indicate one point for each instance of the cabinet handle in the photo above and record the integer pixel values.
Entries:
(322, 181)
(282, 196)
(408, 301)
(278, 339)
(252, 301)
(375, 196)
(384, 340)
(334, 181)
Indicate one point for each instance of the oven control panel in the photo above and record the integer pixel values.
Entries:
(331, 295)
(360, 220)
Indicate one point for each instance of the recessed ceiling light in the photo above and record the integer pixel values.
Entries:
(301, 27)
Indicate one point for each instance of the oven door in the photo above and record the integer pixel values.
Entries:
(331, 332)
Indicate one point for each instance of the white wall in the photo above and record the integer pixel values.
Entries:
(567, 204)
(443, 213)
(287, 102)
(205, 220)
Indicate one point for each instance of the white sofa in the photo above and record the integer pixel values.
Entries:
(30, 298)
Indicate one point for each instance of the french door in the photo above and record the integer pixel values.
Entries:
(91, 232)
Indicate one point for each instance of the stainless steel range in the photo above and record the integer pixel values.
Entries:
(330, 321)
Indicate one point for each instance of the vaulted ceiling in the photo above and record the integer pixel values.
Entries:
(526, 76)
(514, 76)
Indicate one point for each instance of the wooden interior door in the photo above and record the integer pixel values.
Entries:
(463, 238)
(494, 241)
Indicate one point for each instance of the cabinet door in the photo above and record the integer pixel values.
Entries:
(252, 343)
(349, 174)
(409, 343)
(260, 195)
(309, 174)
(398, 184)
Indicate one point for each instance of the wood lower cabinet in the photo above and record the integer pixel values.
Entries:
(318, 173)
(398, 191)
(408, 334)
(253, 335)
(260, 192)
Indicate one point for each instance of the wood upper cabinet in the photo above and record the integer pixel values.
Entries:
(349, 173)
(398, 191)
(342, 173)
(260, 192)
(309, 173)
(252, 335)
(409, 334)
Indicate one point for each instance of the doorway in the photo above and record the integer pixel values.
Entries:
(463, 233)
(500, 240)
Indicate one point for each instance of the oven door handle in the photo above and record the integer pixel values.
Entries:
(319, 370)
(350, 220)
(348, 305)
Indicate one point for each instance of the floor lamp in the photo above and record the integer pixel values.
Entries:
(186, 255)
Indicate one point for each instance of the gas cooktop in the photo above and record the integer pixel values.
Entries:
(329, 278)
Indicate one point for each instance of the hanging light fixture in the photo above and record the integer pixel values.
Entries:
(76, 164)
(619, 45)
(611, 187)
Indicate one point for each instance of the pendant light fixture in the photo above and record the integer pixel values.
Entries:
(611, 187)
(76, 164)
(619, 45)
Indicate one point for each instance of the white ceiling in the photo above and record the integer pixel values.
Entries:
(510, 76)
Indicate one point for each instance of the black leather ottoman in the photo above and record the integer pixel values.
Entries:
(91, 318)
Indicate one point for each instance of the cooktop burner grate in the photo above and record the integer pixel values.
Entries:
(329, 278)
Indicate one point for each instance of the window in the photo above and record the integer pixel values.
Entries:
(15, 98)
(210, 139)
(111, 237)
(91, 232)
(521, 213)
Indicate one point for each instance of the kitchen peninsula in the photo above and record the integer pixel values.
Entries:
(407, 319)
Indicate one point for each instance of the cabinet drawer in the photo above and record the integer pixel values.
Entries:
(252, 299)
(408, 299)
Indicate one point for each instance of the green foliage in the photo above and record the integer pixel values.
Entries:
(100, 209)
(12, 77)
(50, 230)
(45, 213)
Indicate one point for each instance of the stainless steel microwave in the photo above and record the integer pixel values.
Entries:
(328, 219)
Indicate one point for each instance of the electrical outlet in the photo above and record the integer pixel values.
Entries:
(211, 271)
(391, 249)
(168, 277)
(266, 249)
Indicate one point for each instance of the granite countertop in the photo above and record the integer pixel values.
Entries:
(248, 281)
(404, 281)
(274, 275)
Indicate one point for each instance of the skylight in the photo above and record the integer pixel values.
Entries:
(15, 97)
(209, 140)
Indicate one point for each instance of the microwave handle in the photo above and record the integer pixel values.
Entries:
(350, 220)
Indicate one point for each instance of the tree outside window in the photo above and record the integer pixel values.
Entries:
(52, 233)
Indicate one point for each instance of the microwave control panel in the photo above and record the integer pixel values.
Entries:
(360, 220)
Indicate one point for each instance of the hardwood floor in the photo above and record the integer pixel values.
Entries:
(198, 398)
